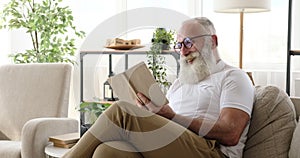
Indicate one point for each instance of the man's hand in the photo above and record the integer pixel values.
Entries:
(145, 103)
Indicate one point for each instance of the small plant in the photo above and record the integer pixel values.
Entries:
(50, 27)
(156, 62)
(163, 37)
(94, 108)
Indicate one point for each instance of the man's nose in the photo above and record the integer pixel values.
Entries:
(184, 51)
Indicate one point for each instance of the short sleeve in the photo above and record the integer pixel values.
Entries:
(237, 91)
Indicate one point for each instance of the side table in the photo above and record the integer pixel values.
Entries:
(55, 152)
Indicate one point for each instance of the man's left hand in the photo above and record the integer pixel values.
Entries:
(145, 103)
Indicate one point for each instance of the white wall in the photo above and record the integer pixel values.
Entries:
(5, 46)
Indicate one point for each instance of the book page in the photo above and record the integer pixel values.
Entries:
(138, 79)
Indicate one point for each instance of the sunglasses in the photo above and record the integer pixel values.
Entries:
(187, 43)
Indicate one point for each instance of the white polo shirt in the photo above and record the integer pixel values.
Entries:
(227, 87)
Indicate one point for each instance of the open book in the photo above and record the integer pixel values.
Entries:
(137, 79)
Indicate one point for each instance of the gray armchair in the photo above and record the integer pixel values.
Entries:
(34, 100)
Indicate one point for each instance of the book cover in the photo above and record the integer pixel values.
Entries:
(136, 79)
(65, 139)
(68, 146)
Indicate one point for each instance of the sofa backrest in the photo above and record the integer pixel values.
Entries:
(30, 91)
(296, 102)
(272, 124)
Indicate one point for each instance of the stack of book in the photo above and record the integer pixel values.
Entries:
(65, 140)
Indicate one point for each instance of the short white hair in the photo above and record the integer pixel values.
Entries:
(207, 25)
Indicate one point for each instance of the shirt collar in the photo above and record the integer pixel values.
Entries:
(219, 67)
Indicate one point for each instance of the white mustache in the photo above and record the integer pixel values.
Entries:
(190, 57)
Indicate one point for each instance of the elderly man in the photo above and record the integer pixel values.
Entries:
(208, 114)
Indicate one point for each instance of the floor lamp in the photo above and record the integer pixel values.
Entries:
(241, 6)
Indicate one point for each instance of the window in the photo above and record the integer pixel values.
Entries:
(264, 36)
(265, 42)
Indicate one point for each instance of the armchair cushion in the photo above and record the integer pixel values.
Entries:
(10, 149)
(272, 124)
(30, 91)
(34, 101)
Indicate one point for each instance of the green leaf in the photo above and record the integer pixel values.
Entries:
(156, 61)
(49, 20)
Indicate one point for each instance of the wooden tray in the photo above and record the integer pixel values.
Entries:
(125, 47)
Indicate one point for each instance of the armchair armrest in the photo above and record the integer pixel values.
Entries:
(36, 132)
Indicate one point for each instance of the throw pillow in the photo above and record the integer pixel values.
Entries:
(272, 124)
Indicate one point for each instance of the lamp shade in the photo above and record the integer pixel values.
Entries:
(237, 6)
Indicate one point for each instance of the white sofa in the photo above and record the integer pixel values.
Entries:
(34, 101)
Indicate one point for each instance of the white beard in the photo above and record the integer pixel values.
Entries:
(202, 66)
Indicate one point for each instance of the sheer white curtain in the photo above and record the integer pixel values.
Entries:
(265, 37)
(295, 66)
(265, 42)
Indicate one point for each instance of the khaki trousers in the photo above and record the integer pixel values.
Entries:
(126, 131)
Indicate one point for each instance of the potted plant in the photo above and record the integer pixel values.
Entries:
(156, 62)
(163, 37)
(50, 27)
(92, 109)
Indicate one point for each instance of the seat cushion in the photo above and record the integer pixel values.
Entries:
(10, 149)
(272, 124)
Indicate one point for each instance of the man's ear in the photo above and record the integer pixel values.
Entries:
(215, 40)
